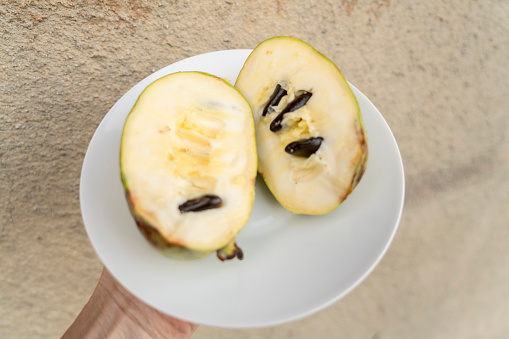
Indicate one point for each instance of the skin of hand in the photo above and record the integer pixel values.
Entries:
(113, 312)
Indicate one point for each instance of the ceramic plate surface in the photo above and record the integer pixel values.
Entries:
(294, 265)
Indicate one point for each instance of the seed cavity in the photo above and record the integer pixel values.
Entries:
(296, 103)
(274, 99)
(304, 147)
(202, 203)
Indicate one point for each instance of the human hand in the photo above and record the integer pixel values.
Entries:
(113, 312)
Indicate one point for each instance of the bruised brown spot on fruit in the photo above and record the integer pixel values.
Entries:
(159, 242)
(362, 165)
(294, 105)
(202, 203)
(361, 168)
(343, 197)
(150, 233)
(358, 177)
(166, 129)
(130, 199)
(268, 52)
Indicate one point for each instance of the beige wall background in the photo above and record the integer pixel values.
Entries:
(437, 70)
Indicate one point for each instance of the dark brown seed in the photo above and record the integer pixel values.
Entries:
(220, 256)
(274, 99)
(297, 103)
(304, 147)
(201, 203)
(238, 252)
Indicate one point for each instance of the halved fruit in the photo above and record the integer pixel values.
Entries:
(188, 164)
(312, 148)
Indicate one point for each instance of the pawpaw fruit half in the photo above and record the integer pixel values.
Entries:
(311, 141)
(188, 165)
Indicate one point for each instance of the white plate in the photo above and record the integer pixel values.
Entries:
(293, 266)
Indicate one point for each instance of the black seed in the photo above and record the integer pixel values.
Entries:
(275, 98)
(297, 103)
(238, 252)
(200, 204)
(304, 147)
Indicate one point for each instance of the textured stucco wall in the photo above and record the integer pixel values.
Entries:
(437, 70)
